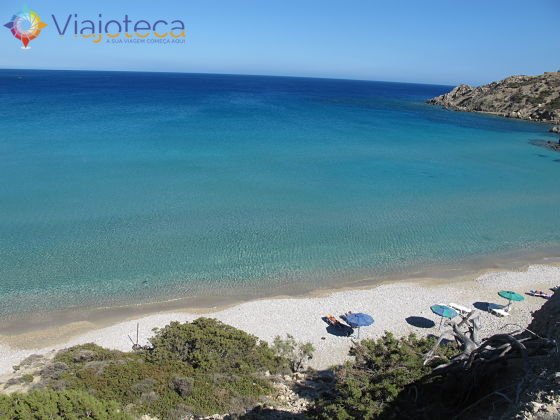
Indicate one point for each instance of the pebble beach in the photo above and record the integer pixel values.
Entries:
(402, 307)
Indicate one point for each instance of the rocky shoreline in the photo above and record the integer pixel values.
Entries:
(532, 98)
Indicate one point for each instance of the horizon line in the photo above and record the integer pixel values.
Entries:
(226, 74)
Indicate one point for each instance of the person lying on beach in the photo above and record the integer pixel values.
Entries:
(331, 320)
(540, 293)
(339, 328)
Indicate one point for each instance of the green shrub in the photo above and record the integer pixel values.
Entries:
(67, 405)
(209, 345)
(382, 368)
(28, 378)
(297, 353)
(204, 367)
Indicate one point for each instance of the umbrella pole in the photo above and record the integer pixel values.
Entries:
(440, 322)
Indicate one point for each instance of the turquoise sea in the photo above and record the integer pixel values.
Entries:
(135, 187)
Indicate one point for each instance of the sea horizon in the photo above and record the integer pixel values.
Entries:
(195, 73)
(137, 187)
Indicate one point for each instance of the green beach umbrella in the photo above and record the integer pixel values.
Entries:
(444, 312)
(510, 296)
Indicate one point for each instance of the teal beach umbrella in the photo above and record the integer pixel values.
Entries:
(511, 296)
(444, 312)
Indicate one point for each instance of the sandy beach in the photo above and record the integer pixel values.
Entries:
(401, 307)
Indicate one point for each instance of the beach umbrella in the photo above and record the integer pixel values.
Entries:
(358, 320)
(510, 296)
(443, 312)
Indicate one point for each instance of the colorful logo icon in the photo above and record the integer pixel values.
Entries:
(26, 26)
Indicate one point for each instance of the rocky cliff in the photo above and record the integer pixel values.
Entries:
(535, 98)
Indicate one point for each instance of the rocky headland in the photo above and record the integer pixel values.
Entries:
(533, 98)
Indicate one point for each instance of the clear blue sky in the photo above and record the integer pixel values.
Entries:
(431, 41)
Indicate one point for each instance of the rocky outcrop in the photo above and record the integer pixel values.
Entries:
(547, 144)
(541, 397)
(535, 98)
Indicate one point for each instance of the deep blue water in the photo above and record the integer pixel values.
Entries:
(121, 187)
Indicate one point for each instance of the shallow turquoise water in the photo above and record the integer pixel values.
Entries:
(120, 187)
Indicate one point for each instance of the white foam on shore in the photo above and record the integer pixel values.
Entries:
(389, 304)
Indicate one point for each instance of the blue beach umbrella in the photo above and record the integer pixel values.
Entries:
(510, 296)
(358, 320)
(444, 312)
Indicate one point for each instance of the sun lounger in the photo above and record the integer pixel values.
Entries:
(539, 293)
(463, 310)
(497, 310)
(332, 320)
(341, 328)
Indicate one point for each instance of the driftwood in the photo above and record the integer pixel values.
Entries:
(521, 344)
(489, 377)
(465, 334)
(478, 355)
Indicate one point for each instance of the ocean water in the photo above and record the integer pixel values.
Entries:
(133, 187)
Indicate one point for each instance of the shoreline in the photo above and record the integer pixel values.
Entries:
(548, 122)
(72, 320)
(394, 304)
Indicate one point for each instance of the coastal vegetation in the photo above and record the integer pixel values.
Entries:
(381, 370)
(298, 354)
(196, 368)
(205, 367)
(49, 404)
